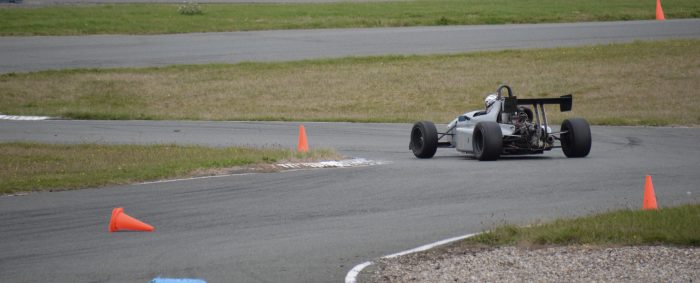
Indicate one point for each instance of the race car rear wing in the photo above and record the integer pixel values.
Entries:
(511, 103)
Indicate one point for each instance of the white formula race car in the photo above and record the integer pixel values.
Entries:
(508, 127)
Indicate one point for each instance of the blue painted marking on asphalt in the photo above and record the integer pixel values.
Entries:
(176, 280)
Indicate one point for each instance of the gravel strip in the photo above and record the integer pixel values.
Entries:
(551, 264)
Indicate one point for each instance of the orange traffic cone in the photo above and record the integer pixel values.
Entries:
(659, 11)
(649, 196)
(122, 221)
(302, 145)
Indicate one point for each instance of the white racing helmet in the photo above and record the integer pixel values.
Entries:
(490, 100)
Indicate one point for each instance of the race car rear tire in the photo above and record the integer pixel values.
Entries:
(424, 139)
(576, 139)
(487, 141)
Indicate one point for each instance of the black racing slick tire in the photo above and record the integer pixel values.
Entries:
(424, 139)
(575, 137)
(487, 141)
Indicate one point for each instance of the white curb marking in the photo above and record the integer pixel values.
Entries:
(355, 162)
(23, 118)
(192, 178)
(351, 277)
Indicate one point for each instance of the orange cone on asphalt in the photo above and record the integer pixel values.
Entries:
(302, 145)
(659, 11)
(649, 196)
(121, 221)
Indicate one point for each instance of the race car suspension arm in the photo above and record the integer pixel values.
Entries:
(447, 133)
(544, 118)
(537, 107)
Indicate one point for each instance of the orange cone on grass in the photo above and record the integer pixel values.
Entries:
(659, 11)
(302, 145)
(649, 196)
(121, 221)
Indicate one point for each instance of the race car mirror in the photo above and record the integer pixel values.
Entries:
(462, 118)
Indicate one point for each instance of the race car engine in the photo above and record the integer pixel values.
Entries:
(527, 137)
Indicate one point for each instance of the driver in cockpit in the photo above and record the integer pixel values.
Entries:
(488, 103)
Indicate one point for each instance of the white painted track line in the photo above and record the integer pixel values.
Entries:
(23, 118)
(351, 277)
(347, 163)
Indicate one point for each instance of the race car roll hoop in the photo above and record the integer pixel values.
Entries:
(507, 127)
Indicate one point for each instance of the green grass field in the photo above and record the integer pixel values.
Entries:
(42, 167)
(165, 18)
(668, 226)
(642, 83)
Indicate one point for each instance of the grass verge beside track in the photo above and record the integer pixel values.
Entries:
(641, 83)
(43, 167)
(165, 18)
(678, 226)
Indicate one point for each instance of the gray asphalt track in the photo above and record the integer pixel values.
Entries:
(314, 225)
(20, 54)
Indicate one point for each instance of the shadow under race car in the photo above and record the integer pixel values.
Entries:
(508, 128)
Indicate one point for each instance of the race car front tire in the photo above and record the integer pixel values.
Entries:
(487, 141)
(576, 137)
(424, 139)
